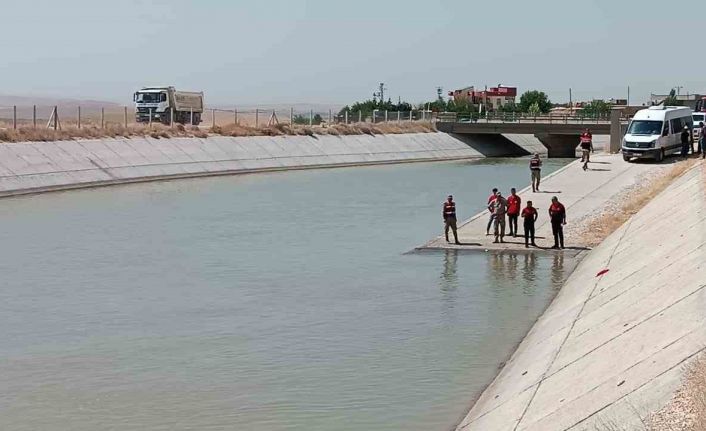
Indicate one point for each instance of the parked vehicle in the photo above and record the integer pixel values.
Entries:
(162, 104)
(698, 117)
(655, 132)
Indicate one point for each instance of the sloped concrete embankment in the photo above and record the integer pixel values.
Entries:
(612, 348)
(32, 167)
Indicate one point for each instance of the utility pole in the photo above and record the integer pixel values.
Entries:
(571, 102)
(628, 100)
(380, 93)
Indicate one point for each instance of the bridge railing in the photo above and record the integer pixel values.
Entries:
(516, 117)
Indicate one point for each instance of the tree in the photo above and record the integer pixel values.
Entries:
(534, 109)
(596, 108)
(530, 98)
(304, 119)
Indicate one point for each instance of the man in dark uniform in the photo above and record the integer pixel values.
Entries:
(685, 138)
(557, 215)
(449, 213)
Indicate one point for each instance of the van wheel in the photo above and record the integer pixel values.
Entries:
(660, 156)
(626, 158)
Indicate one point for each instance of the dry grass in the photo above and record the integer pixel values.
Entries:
(27, 133)
(599, 228)
(687, 410)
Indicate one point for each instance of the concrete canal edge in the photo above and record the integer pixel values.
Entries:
(34, 167)
(612, 346)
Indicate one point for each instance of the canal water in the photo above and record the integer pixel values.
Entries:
(262, 302)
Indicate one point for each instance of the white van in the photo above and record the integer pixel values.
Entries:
(655, 132)
(698, 117)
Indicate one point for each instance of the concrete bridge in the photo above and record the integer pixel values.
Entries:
(559, 135)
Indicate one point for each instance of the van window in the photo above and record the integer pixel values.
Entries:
(676, 125)
(645, 127)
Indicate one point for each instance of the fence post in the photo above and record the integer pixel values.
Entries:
(330, 118)
(79, 117)
(171, 117)
(311, 117)
(411, 115)
(56, 117)
(213, 117)
(257, 117)
(191, 115)
(345, 115)
(125, 116)
(34, 116)
(235, 114)
(360, 116)
(291, 116)
(399, 118)
(14, 116)
(150, 118)
(386, 115)
(102, 117)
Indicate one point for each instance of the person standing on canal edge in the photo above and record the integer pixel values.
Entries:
(449, 212)
(529, 215)
(557, 215)
(586, 141)
(499, 208)
(491, 199)
(685, 136)
(535, 166)
(514, 203)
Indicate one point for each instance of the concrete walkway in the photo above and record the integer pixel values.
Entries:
(612, 348)
(581, 192)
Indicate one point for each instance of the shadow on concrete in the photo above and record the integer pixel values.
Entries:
(492, 145)
(599, 169)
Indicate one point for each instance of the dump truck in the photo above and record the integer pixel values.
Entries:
(162, 104)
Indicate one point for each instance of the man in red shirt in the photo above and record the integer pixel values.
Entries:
(557, 215)
(491, 199)
(529, 215)
(513, 211)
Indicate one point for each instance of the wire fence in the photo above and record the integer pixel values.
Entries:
(97, 116)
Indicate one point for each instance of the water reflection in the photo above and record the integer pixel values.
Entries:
(511, 269)
(449, 276)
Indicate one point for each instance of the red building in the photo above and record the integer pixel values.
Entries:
(492, 97)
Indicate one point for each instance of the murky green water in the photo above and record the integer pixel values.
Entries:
(263, 302)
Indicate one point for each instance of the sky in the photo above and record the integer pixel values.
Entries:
(336, 52)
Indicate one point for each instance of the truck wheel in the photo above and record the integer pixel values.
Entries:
(626, 158)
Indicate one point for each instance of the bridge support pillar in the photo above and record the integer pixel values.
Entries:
(616, 132)
(563, 146)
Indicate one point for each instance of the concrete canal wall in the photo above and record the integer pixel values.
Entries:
(612, 348)
(32, 167)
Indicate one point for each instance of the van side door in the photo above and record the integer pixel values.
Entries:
(676, 125)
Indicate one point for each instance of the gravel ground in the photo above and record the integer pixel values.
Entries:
(592, 228)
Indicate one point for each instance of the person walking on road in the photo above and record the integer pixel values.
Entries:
(449, 213)
(685, 137)
(557, 216)
(499, 208)
(702, 140)
(535, 166)
(529, 215)
(514, 203)
(491, 199)
(586, 142)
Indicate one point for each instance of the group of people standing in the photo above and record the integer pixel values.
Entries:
(505, 212)
(500, 207)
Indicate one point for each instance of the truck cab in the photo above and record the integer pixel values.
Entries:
(151, 102)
